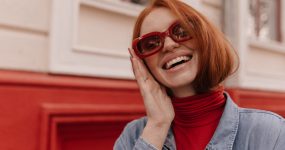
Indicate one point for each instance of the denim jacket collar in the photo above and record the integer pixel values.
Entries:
(226, 130)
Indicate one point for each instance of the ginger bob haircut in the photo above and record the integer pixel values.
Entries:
(216, 57)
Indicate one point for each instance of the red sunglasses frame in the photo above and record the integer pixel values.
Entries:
(162, 36)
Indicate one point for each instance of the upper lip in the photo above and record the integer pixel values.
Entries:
(171, 56)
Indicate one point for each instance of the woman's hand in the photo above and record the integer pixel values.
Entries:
(158, 105)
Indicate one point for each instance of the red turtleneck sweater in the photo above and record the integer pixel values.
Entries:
(196, 119)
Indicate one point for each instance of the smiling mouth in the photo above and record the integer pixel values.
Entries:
(177, 61)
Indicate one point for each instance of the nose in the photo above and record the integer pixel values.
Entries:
(170, 44)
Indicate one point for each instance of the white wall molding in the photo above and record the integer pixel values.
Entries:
(69, 56)
(98, 51)
(11, 27)
(116, 6)
(234, 19)
(272, 46)
(258, 82)
(261, 62)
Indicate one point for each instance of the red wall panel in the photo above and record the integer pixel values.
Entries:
(53, 112)
(272, 101)
(90, 136)
(34, 107)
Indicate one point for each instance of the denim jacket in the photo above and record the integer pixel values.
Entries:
(238, 129)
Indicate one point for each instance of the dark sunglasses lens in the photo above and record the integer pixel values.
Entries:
(149, 44)
(179, 33)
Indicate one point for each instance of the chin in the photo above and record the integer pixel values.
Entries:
(179, 80)
(179, 83)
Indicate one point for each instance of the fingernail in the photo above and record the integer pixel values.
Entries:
(130, 52)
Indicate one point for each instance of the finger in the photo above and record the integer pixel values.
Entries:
(139, 68)
(131, 53)
(134, 66)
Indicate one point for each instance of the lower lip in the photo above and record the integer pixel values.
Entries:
(178, 68)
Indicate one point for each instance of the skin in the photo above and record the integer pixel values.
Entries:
(157, 103)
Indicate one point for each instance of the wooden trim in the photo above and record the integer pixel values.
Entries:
(53, 80)
(56, 114)
(129, 9)
(37, 105)
(25, 30)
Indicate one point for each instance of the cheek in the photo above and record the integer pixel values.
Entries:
(192, 44)
(151, 63)
(152, 66)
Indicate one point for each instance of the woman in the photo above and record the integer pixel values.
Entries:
(179, 60)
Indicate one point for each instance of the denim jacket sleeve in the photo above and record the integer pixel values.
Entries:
(280, 144)
(140, 144)
(130, 138)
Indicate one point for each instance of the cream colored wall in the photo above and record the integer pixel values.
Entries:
(264, 67)
(25, 31)
(261, 61)
(212, 9)
(24, 28)
(103, 29)
(68, 37)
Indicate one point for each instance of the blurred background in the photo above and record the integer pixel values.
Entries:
(65, 77)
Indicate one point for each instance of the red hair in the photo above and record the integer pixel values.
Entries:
(216, 55)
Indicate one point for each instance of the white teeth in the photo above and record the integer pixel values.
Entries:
(176, 60)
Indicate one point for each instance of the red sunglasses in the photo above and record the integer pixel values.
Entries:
(153, 42)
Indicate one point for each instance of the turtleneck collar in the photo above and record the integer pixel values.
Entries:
(199, 110)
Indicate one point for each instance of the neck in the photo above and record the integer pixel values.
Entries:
(187, 91)
(199, 109)
(183, 91)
